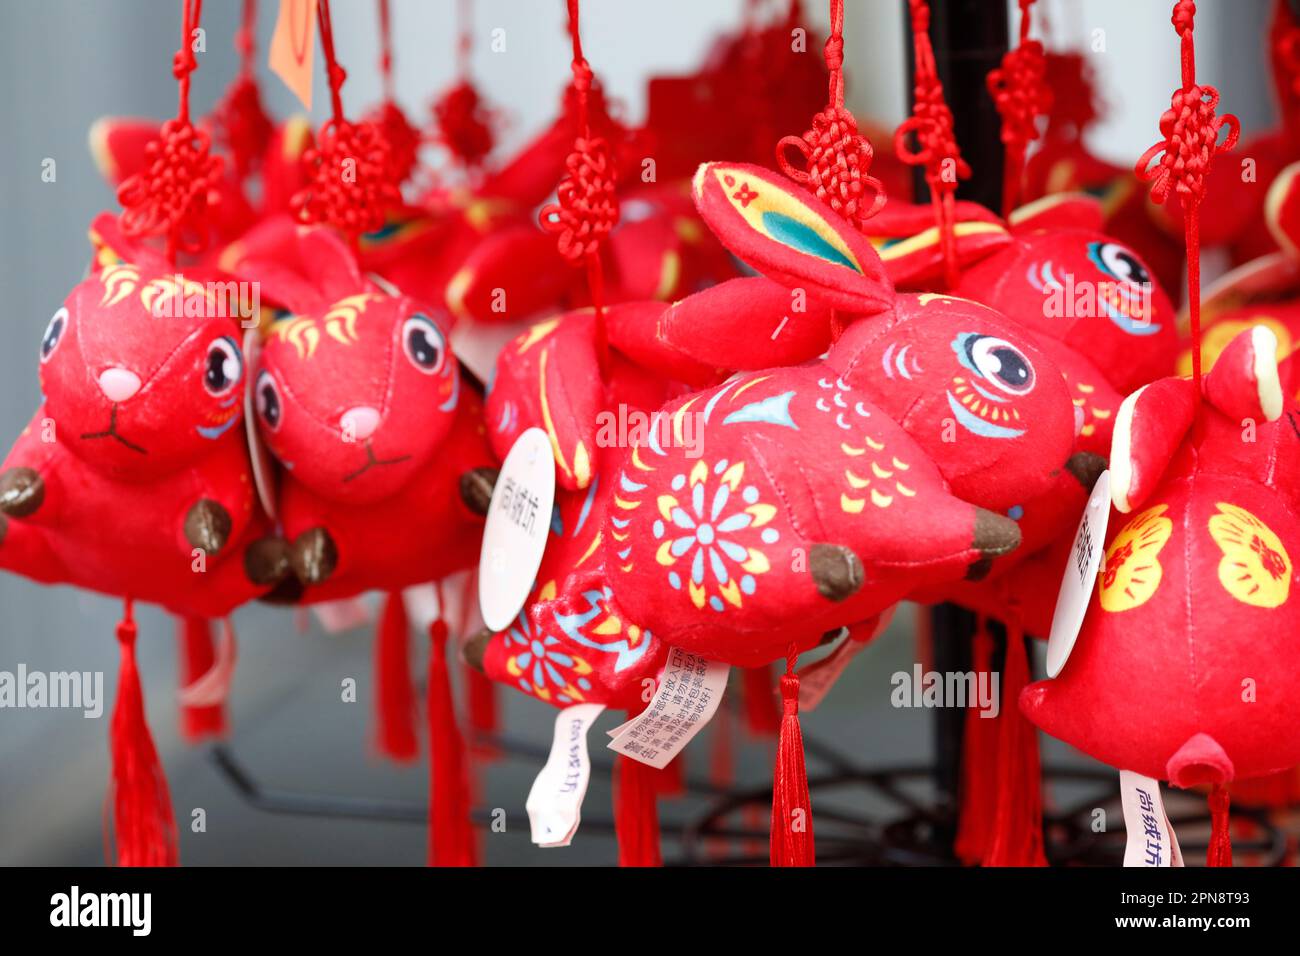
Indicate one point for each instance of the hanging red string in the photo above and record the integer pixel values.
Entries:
(171, 195)
(1021, 94)
(239, 121)
(402, 138)
(1219, 852)
(1191, 132)
(587, 209)
(462, 120)
(836, 157)
(351, 187)
(936, 145)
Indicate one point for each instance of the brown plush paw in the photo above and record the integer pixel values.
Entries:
(288, 591)
(22, 491)
(314, 556)
(474, 650)
(836, 570)
(207, 526)
(995, 534)
(1086, 468)
(476, 488)
(266, 560)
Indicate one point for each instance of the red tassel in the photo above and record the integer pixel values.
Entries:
(484, 714)
(979, 758)
(197, 656)
(395, 711)
(761, 715)
(792, 827)
(143, 824)
(671, 781)
(452, 841)
(1219, 852)
(636, 813)
(1017, 838)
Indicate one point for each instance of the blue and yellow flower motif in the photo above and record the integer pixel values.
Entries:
(540, 665)
(705, 525)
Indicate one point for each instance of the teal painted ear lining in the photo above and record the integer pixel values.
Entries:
(803, 238)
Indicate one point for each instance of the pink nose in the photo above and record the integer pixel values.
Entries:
(360, 422)
(118, 384)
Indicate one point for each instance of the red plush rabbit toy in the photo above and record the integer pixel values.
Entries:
(133, 479)
(1195, 604)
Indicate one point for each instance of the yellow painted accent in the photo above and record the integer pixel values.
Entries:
(666, 504)
(903, 490)
(547, 592)
(881, 472)
(611, 625)
(670, 272)
(731, 592)
(881, 500)
(699, 473)
(582, 465)
(1131, 572)
(733, 475)
(1255, 569)
(852, 505)
(757, 563)
(546, 420)
(763, 513)
(697, 594)
(851, 451)
(595, 543)
(855, 481)
(664, 555)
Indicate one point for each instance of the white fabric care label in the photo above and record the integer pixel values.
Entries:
(555, 802)
(1080, 575)
(518, 523)
(690, 689)
(1151, 839)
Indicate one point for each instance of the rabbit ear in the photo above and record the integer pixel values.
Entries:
(1244, 382)
(907, 240)
(299, 267)
(1149, 427)
(1282, 209)
(1060, 211)
(782, 231)
(117, 145)
(111, 246)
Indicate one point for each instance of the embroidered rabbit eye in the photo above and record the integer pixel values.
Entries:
(223, 367)
(1119, 262)
(54, 333)
(1002, 364)
(423, 343)
(269, 407)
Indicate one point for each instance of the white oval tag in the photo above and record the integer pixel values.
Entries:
(518, 524)
(1080, 575)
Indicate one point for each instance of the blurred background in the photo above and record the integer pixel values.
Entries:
(63, 63)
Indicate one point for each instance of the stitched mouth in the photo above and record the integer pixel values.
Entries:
(112, 433)
(372, 462)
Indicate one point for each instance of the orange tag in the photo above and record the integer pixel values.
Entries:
(293, 47)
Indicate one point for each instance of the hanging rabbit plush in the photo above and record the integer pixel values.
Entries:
(133, 479)
(1197, 598)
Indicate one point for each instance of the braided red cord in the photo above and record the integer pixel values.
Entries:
(402, 138)
(587, 209)
(936, 145)
(463, 124)
(170, 196)
(1021, 94)
(1191, 131)
(352, 184)
(836, 157)
(240, 124)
